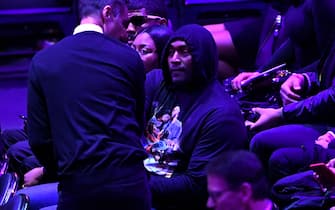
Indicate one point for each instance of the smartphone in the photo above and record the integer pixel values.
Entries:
(325, 176)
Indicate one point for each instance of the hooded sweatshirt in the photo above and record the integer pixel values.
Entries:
(208, 122)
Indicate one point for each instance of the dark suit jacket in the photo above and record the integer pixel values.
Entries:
(318, 108)
(85, 105)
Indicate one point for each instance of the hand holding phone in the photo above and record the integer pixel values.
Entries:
(324, 175)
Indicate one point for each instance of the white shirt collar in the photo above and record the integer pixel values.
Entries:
(87, 27)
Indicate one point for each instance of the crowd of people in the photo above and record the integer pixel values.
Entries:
(150, 124)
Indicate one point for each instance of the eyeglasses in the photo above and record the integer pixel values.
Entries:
(139, 20)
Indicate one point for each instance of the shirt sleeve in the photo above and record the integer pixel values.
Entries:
(315, 109)
(39, 134)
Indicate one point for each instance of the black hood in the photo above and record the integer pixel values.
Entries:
(203, 50)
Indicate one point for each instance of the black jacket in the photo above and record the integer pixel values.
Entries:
(86, 105)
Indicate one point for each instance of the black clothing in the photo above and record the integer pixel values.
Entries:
(86, 107)
(256, 38)
(301, 47)
(211, 122)
(9, 137)
(85, 120)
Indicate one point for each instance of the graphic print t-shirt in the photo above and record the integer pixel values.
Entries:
(163, 133)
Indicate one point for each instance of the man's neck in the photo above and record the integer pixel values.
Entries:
(89, 24)
(91, 20)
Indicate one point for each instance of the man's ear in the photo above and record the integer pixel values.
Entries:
(107, 13)
(246, 192)
(163, 21)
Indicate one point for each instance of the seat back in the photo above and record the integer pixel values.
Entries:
(17, 202)
(8, 186)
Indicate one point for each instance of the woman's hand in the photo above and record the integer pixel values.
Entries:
(242, 78)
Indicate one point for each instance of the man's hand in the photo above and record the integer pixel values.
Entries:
(269, 117)
(331, 163)
(292, 89)
(33, 177)
(325, 139)
(243, 77)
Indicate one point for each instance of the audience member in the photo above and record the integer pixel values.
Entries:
(18, 153)
(21, 158)
(308, 99)
(11, 136)
(88, 132)
(248, 43)
(307, 119)
(311, 189)
(144, 13)
(309, 109)
(210, 122)
(287, 161)
(299, 50)
(237, 180)
(188, 91)
(149, 43)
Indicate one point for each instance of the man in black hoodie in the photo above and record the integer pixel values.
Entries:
(210, 122)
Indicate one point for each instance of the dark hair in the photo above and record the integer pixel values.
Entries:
(238, 167)
(162, 112)
(93, 7)
(152, 7)
(160, 34)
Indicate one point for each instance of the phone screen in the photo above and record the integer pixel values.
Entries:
(325, 176)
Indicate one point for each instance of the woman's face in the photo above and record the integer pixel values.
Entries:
(146, 48)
